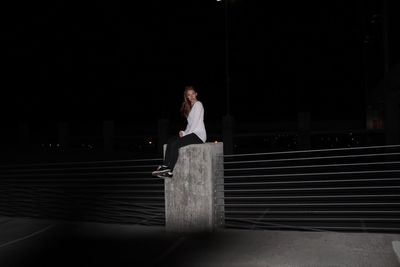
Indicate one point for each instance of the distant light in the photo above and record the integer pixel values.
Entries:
(50, 145)
(216, 140)
(58, 144)
(150, 142)
(219, 0)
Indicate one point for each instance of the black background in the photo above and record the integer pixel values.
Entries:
(131, 60)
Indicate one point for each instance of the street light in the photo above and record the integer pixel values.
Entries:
(227, 121)
(227, 60)
(227, 78)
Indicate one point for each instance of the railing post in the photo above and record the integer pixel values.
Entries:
(392, 115)
(62, 134)
(108, 135)
(24, 135)
(303, 126)
(193, 196)
(163, 125)
(227, 134)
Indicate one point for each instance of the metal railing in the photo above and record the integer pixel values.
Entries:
(121, 191)
(342, 189)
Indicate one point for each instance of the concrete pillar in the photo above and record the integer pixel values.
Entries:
(62, 134)
(23, 136)
(108, 136)
(163, 125)
(304, 128)
(227, 134)
(194, 195)
(392, 118)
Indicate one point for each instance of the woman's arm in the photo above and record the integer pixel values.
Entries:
(194, 120)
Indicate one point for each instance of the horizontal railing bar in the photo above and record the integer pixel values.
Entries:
(115, 191)
(309, 211)
(78, 162)
(309, 174)
(317, 219)
(88, 198)
(314, 166)
(310, 204)
(128, 215)
(82, 173)
(314, 181)
(108, 197)
(107, 192)
(145, 205)
(101, 209)
(311, 158)
(134, 197)
(88, 207)
(312, 150)
(256, 225)
(74, 168)
(321, 228)
(312, 188)
(4, 180)
(313, 196)
(82, 185)
(119, 208)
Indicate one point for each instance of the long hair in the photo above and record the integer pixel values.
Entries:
(186, 105)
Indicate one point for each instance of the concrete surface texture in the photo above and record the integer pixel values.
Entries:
(190, 196)
(33, 242)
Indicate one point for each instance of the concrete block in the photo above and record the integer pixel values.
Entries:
(191, 196)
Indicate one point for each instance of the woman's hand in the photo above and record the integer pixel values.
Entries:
(180, 133)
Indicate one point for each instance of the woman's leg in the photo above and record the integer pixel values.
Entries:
(181, 142)
(171, 150)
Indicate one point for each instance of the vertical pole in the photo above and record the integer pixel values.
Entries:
(108, 136)
(391, 111)
(303, 125)
(227, 78)
(62, 134)
(227, 134)
(163, 125)
(23, 135)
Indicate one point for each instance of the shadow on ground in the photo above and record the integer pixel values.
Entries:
(32, 242)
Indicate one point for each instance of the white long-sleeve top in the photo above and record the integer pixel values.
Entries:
(195, 121)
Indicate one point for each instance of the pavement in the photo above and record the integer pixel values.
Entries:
(39, 242)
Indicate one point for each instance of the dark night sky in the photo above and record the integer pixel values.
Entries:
(132, 60)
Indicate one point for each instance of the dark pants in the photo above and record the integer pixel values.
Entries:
(176, 142)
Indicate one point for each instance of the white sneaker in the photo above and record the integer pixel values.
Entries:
(167, 174)
(161, 169)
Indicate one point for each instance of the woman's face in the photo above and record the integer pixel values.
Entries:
(191, 95)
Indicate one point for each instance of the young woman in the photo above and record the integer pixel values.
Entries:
(195, 132)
